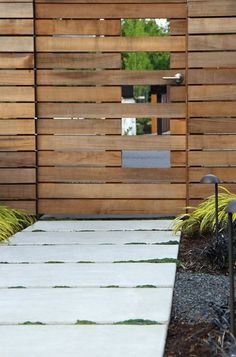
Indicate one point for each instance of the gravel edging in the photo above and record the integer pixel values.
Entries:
(196, 293)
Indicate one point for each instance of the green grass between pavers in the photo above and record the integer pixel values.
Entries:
(170, 242)
(125, 322)
(85, 322)
(31, 323)
(147, 286)
(38, 230)
(110, 286)
(54, 262)
(13, 221)
(154, 261)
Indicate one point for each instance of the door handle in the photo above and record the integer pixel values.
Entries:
(178, 78)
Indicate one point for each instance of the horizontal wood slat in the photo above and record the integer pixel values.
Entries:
(104, 11)
(178, 27)
(177, 60)
(106, 1)
(225, 142)
(211, 92)
(14, 192)
(203, 191)
(109, 77)
(16, 77)
(212, 158)
(226, 174)
(137, 175)
(17, 110)
(212, 59)
(78, 60)
(82, 158)
(112, 191)
(16, 94)
(78, 27)
(11, 127)
(28, 206)
(116, 110)
(78, 94)
(109, 44)
(211, 76)
(211, 25)
(211, 8)
(73, 142)
(212, 125)
(16, 44)
(80, 127)
(20, 10)
(17, 159)
(14, 143)
(16, 27)
(17, 176)
(212, 42)
(212, 109)
(16, 60)
(84, 206)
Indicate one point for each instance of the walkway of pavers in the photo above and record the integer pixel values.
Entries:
(56, 275)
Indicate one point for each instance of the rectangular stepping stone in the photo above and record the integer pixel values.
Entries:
(126, 237)
(85, 253)
(66, 306)
(86, 275)
(111, 225)
(71, 341)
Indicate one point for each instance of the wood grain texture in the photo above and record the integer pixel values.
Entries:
(79, 94)
(106, 1)
(211, 25)
(212, 8)
(28, 206)
(109, 44)
(16, 44)
(17, 159)
(108, 77)
(178, 127)
(14, 143)
(212, 109)
(104, 11)
(212, 125)
(78, 27)
(16, 77)
(17, 110)
(79, 60)
(121, 207)
(73, 142)
(17, 175)
(178, 94)
(178, 159)
(212, 158)
(17, 192)
(19, 10)
(98, 174)
(79, 159)
(17, 94)
(211, 92)
(112, 191)
(79, 127)
(115, 110)
(178, 27)
(212, 59)
(16, 60)
(18, 126)
(203, 191)
(16, 27)
(226, 174)
(212, 142)
(212, 76)
(177, 60)
(212, 42)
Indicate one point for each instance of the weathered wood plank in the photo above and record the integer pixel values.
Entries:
(78, 27)
(212, 142)
(17, 192)
(104, 11)
(16, 27)
(212, 158)
(16, 44)
(211, 92)
(212, 42)
(17, 175)
(212, 8)
(226, 174)
(79, 60)
(14, 143)
(17, 110)
(78, 159)
(20, 10)
(107, 1)
(112, 191)
(212, 76)
(212, 59)
(178, 126)
(177, 60)
(178, 94)
(108, 44)
(115, 110)
(85, 206)
(17, 94)
(28, 206)
(178, 27)
(211, 25)
(178, 158)
(17, 159)
(203, 191)
(79, 94)
(212, 125)
(108, 77)
(98, 174)
(18, 126)
(16, 60)
(16, 77)
(212, 109)
(80, 127)
(73, 142)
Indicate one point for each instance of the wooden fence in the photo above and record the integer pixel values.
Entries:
(60, 60)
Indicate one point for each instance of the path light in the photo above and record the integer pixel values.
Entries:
(230, 209)
(215, 180)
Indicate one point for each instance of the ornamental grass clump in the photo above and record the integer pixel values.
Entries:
(12, 221)
(201, 219)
